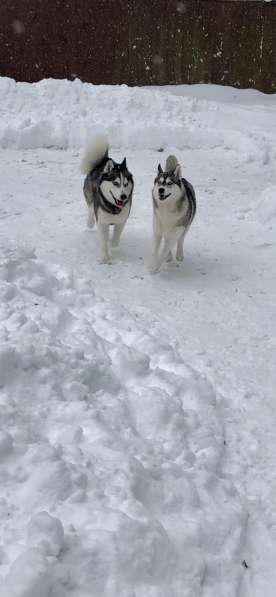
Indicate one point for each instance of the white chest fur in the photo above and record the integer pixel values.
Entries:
(168, 216)
(106, 218)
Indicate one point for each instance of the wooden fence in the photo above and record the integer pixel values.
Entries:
(140, 42)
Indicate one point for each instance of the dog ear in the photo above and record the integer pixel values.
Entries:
(108, 167)
(124, 164)
(177, 171)
(160, 171)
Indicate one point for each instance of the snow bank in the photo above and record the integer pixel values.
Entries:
(223, 94)
(65, 114)
(265, 208)
(111, 453)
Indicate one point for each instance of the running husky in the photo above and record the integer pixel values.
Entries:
(108, 188)
(174, 207)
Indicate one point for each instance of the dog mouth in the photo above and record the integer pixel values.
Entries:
(162, 197)
(119, 202)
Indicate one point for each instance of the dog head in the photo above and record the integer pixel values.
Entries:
(116, 183)
(167, 185)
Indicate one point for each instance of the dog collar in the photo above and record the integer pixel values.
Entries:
(110, 207)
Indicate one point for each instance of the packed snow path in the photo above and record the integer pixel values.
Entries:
(137, 442)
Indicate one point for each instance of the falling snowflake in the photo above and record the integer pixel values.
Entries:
(18, 27)
(181, 7)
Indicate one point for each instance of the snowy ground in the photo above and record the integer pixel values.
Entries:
(137, 436)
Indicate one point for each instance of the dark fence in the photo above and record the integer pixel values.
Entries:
(140, 42)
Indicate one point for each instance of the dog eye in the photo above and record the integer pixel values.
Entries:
(116, 184)
(170, 183)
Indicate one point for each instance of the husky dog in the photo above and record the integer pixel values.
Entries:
(108, 188)
(174, 207)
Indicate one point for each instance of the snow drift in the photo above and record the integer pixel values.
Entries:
(65, 114)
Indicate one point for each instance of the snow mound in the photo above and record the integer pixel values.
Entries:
(265, 208)
(112, 453)
(29, 576)
(66, 114)
(46, 533)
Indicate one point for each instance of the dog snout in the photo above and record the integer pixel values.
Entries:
(161, 191)
(123, 197)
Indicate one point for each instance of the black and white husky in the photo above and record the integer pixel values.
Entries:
(174, 207)
(108, 188)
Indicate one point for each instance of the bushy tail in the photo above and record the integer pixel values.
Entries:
(95, 151)
(171, 163)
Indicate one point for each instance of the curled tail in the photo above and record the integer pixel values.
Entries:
(94, 153)
(171, 164)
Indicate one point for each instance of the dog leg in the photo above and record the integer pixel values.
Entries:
(91, 217)
(169, 257)
(118, 229)
(179, 250)
(157, 238)
(103, 232)
(157, 243)
(167, 247)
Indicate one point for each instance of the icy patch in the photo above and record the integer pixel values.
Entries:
(111, 473)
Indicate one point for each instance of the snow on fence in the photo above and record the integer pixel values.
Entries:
(140, 42)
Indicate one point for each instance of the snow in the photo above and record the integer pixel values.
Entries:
(137, 417)
(46, 534)
(29, 576)
(265, 208)
(110, 431)
(64, 114)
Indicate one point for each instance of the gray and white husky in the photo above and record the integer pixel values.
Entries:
(174, 207)
(108, 188)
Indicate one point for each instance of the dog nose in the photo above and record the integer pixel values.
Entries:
(123, 197)
(161, 191)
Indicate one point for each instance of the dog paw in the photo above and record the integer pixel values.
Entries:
(179, 257)
(105, 260)
(154, 268)
(169, 258)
